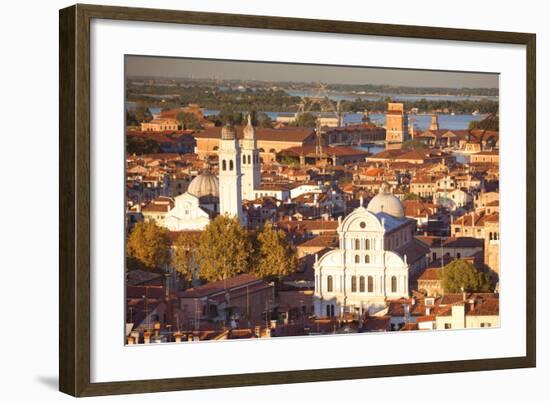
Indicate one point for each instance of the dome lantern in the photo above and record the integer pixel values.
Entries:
(386, 202)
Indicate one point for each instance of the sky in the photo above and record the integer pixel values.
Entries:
(166, 67)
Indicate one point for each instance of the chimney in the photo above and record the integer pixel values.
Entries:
(463, 294)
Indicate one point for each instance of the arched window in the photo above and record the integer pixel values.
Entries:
(490, 236)
(224, 165)
(248, 159)
(353, 284)
(356, 258)
(231, 165)
(370, 284)
(367, 259)
(362, 283)
(357, 244)
(244, 159)
(393, 284)
(367, 244)
(329, 284)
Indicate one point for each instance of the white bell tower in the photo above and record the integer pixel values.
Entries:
(250, 162)
(229, 156)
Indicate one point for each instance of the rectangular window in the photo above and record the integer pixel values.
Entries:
(447, 326)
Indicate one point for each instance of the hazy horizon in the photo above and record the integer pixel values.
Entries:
(166, 67)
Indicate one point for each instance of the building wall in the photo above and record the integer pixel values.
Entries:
(267, 149)
(492, 246)
(467, 322)
(158, 125)
(396, 124)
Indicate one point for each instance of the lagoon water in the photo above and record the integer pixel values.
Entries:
(336, 96)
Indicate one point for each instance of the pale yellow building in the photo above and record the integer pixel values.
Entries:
(160, 124)
(470, 314)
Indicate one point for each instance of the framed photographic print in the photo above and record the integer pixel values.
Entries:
(261, 200)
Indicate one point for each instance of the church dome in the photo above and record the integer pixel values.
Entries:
(249, 131)
(228, 132)
(204, 184)
(386, 202)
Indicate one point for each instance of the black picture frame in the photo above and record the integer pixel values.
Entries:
(74, 199)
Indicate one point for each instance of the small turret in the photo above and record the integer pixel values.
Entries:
(249, 131)
(434, 126)
(228, 132)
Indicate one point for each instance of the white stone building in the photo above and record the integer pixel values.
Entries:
(367, 269)
(194, 209)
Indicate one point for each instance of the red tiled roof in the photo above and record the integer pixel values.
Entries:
(329, 241)
(376, 323)
(431, 273)
(220, 285)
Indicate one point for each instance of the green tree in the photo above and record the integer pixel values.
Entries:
(289, 161)
(275, 256)
(488, 123)
(414, 144)
(139, 146)
(184, 256)
(148, 246)
(305, 120)
(188, 121)
(224, 249)
(411, 196)
(142, 113)
(460, 275)
(228, 115)
(263, 120)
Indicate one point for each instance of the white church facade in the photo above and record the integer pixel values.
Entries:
(367, 269)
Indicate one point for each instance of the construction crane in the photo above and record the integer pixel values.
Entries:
(322, 99)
